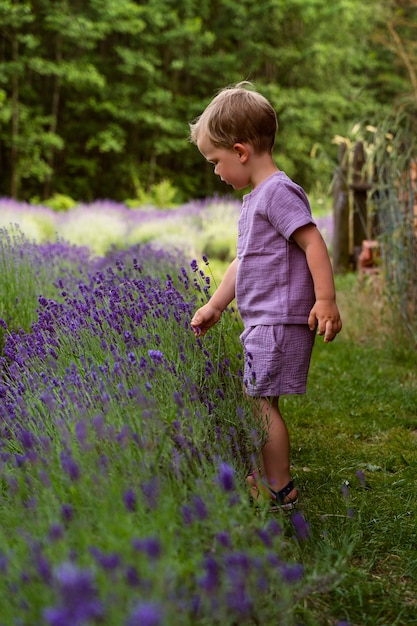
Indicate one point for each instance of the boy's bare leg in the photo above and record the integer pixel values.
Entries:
(275, 455)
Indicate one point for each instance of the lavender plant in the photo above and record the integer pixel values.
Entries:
(105, 224)
(124, 447)
(27, 270)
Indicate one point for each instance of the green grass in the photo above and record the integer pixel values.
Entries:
(360, 415)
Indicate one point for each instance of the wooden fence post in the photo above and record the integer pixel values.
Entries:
(341, 256)
(360, 186)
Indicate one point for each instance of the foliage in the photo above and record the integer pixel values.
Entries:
(125, 444)
(390, 170)
(395, 214)
(97, 95)
(162, 195)
(59, 202)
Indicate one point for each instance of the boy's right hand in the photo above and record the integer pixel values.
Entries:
(204, 319)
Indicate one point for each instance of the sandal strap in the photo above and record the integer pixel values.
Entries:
(282, 493)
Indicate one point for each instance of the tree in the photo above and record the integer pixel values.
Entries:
(14, 16)
(96, 95)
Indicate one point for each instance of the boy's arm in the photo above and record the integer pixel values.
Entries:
(324, 313)
(210, 313)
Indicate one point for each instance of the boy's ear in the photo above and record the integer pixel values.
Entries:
(242, 151)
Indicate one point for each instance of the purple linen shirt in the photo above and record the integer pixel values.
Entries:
(273, 283)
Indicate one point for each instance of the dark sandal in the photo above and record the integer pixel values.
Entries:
(280, 497)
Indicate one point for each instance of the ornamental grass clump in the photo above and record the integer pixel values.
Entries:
(395, 217)
(124, 446)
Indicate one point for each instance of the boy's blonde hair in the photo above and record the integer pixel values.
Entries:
(237, 115)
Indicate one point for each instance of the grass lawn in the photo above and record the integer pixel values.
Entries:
(354, 439)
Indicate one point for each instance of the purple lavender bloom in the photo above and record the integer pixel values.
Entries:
(187, 515)
(129, 499)
(265, 537)
(150, 490)
(156, 355)
(361, 478)
(274, 528)
(81, 433)
(67, 512)
(98, 425)
(224, 539)
(55, 532)
(108, 561)
(210, 580)
(239, 601)
(292, 573)
(145, 614)
(301, 526)
(69, 466)
(200, 507)
(226, 477)
(345, 490)
(78, 598)
(43, 567)
(150, 546)
(178, 398)
(4, 562)
(26, 437)
(132, 357)
(238, 564)
(132, 576)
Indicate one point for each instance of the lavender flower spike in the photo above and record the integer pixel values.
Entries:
(145, 614)
(78, 595)
(226, 477)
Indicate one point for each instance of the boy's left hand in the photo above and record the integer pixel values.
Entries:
(325, 317)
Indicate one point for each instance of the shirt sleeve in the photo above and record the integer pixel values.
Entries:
(288, 209)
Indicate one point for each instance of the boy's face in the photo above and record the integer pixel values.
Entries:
(229, 163)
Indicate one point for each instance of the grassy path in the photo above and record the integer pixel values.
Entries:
(354, 439)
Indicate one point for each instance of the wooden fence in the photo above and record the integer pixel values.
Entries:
(350, 208)
(355, 245)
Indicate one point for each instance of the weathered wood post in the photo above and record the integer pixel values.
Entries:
(341, 256)
(360, 186)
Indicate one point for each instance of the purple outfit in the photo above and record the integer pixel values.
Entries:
(274, 288)
(273, 284)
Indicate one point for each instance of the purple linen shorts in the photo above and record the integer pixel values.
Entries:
(277, 359)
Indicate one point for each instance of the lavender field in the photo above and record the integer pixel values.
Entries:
(206, 225)
(124, 448)
(104, 224)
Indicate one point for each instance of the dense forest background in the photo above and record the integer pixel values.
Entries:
(96, 95)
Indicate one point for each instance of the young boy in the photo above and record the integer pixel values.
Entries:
(282, 276)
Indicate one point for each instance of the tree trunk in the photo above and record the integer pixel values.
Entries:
(14, 156)
(54, 115)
